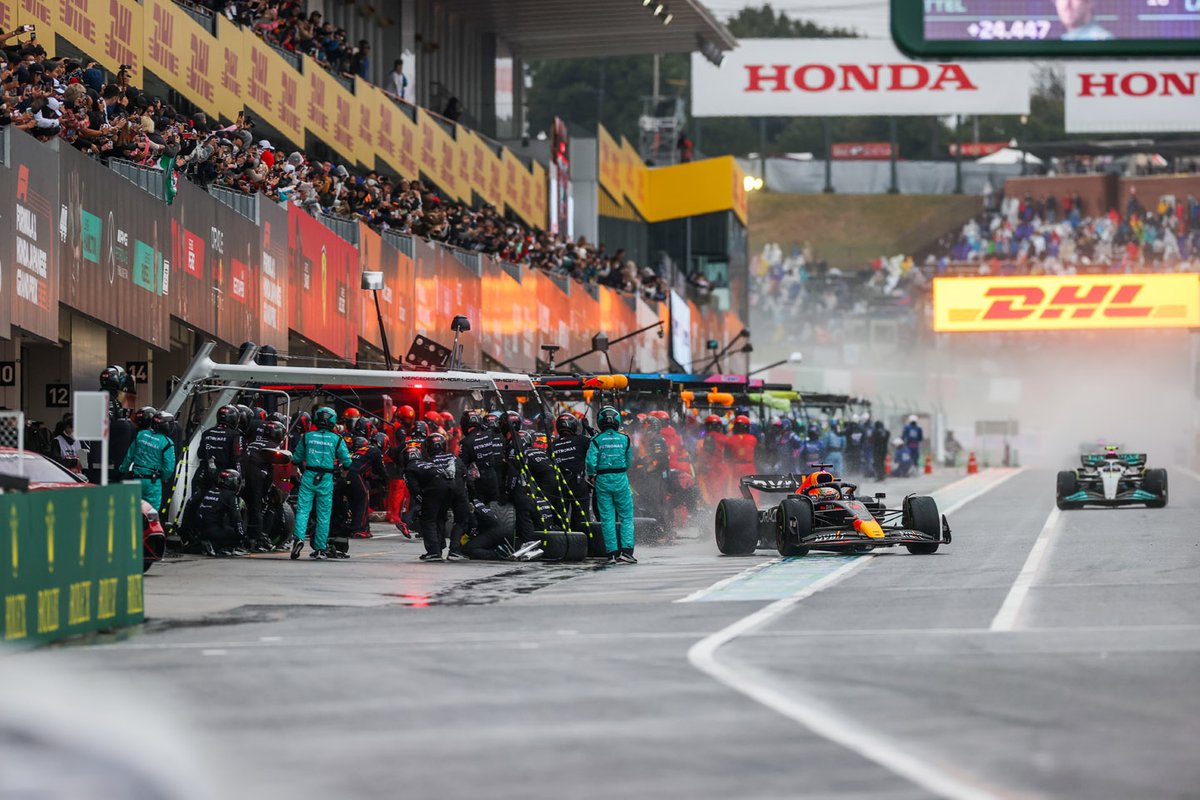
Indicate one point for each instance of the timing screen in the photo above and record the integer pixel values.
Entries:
(1065, 20)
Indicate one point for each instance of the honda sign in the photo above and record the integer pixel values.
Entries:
(1132, 96)
(850, 78)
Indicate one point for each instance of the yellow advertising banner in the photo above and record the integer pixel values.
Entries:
(273, 90)
(366, 114)
(610, 165)
(233, 66)
(182, 54)
(540, 206)
(109, 31)
(635, 176)
(8, 14)
(406, 138)
(1066, 302)
(331, 113)
(44, 15)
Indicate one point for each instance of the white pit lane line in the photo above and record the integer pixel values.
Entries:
(814, 714)
(1010, 610)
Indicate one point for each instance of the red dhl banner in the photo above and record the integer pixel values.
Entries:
(1069, 302)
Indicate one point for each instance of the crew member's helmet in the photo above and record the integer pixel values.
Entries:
(814, 431)
(113, 379)
(325, 418)
(608, 419)
(912, 419)
(512, 423)
(273, 431)
(349, 416)
(713, 423)
(244, 417)
(659, 414)
(359, 444)
(421, 429)
(492, 420)
(433, 419)
(144, 417)
(228, 417)
(654, 424)
(380, 440)
(407, 415)
(304, 422)
(435, 445)
(741, 424)
(567, 424)
(163, 423)
(523, 440)
(229, 479)
(470, 420)
(447, 420)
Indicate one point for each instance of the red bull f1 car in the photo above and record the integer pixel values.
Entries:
(1111, 478)
(822, 512)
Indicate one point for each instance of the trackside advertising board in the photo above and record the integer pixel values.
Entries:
(1066, 302)
(1132, 96)
(851, 78)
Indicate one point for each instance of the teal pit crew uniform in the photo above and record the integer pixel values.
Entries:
(318, 453)
(151, 460)
(608, 460)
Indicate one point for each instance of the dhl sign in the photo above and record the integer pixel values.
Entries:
(1068, 302)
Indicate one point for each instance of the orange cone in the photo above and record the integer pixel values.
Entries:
(972, 465)
(928, 464)
(887, 464)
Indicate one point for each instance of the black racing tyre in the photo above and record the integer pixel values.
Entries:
(1066, 485)
(649, 530)
(794, 521)
(921, 514)
(1156, 483)
(554, 545)
(737, 527)
(577, 546)
(595, 540)
(506, 519)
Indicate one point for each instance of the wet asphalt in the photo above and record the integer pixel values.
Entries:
(385, 677)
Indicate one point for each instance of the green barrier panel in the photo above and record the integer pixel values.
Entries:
(71, 562)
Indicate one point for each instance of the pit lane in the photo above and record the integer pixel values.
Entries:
(317, 680)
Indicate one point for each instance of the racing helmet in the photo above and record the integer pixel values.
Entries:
(469, 421)
(814, 431)
(435, 445)
(492, 420)
(303, 423)
(912, 419)
(448, 420)
(897, 442)
(325, 418)
(360, 426)
(359, 444)
(380, 440)
(713, 423)
(524, 440)
(608, 419)
(659, 414)
(230, 479)
(144, 417)
(654, 425)
(433, 419)
(350, 415)
(566, 424)
(113, 379)
(511, 423)
(244, 417)
(741, 424)
(273, 431)
(163, 422)
(421, 429)
(228, 417)
(407, 415)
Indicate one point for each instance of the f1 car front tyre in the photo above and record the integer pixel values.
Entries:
(1066, 485)
(1156, 483)
(794, 523)
(737, 527)
(921, 514)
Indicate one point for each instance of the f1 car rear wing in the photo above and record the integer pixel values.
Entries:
(1128, 459)
(771, 484)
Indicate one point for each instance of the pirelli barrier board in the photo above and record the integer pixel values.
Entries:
(71, 562)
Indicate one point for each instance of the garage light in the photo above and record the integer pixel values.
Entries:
(667, 19)
(658, 9)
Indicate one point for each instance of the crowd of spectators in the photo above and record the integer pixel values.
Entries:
(816, 303)
(74, 100)
(1057, 235)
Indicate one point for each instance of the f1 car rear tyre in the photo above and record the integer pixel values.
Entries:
(794, 523)
(1156, 483)
(921, 514)
(737, 527)
(506, 519)
(1066, 485)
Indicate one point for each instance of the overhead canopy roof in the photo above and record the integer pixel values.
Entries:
(570, 29)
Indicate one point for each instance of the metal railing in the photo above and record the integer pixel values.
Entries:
(242, 203)
(148, 179)
(513, 270)
(401, 241)
(561, 281)
(203, 16)
(472, 260)
(288, 55)
(344, 227)
(4, 144)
